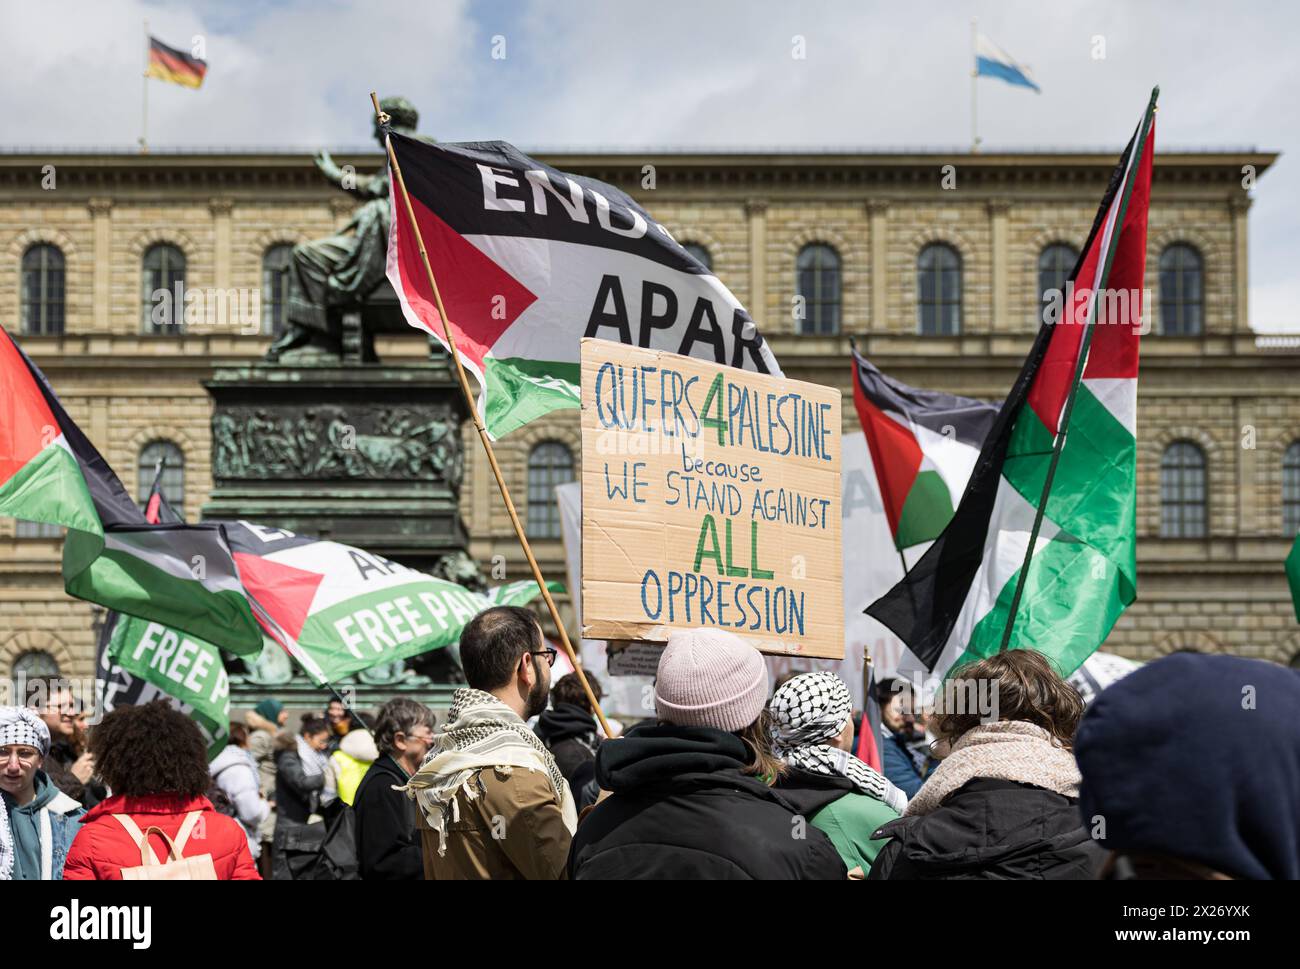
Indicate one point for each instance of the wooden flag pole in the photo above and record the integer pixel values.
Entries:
(483, 435)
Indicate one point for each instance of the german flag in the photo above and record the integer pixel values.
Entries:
(169, 64)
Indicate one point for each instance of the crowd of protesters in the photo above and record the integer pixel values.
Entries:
(1187, 768)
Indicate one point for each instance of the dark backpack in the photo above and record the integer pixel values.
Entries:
(336, 857)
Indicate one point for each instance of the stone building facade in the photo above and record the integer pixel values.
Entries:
(859, 224)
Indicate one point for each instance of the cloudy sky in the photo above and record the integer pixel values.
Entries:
(627, 74)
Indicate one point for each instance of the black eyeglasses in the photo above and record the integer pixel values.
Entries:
(549, 652)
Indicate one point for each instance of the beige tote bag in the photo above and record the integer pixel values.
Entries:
(175, 868)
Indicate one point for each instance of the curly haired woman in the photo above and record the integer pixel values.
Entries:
(154, 760)
(1004, 802)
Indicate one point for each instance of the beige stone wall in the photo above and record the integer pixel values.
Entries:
(126, 389)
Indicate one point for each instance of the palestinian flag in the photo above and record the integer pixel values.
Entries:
(157, 508)
(923, 445)
(529, 260)
(339, 610)
(138, 661)
(177, 575)
(177, 67)
(519, 593)
(113, 685)
(165, 663)
(1057, 474)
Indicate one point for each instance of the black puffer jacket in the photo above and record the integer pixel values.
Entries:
(991, 829)
(682, 808)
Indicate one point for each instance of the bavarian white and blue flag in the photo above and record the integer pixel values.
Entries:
(992, 61)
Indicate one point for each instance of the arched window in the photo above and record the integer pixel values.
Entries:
(42, 294)
(1182, 297)
(938, 290)
(173, 475)
(549, 464)
(700, 254)
(36, 664)
(1291, 490)
(1054, 265)
(163, 268)
(817, 275)
(275, 287)
(1182, 491)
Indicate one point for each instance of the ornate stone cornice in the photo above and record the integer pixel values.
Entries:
(749, 174)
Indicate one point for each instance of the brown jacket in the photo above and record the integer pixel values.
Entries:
(527, 841)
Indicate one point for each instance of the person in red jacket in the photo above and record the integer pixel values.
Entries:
(154, 761)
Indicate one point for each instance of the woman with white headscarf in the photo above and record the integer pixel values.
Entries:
(811, 721)
(37, 820)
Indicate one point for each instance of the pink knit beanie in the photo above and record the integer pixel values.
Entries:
(710, 678)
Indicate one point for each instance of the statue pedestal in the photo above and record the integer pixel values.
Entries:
(366, 455)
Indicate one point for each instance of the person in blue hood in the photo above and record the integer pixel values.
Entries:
(1191, 769)
(37, 820)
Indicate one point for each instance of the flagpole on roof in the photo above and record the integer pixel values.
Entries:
(144, 95)
(974, 84)
(482, 430)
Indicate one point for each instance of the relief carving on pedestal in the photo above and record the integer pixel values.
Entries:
(329, 442)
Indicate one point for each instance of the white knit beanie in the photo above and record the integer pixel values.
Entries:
(710, 678)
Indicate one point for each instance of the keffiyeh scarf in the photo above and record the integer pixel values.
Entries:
(808, 711)
(6, 845)
(481, 732)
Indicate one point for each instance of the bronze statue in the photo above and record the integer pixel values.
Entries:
(340, 271)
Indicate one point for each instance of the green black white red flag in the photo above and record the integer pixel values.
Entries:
(1057, 473)
(338, 610)
(529, 260)
(923, 444)
(177, 575)
(138, 661)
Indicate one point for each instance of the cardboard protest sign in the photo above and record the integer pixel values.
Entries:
(710, 497)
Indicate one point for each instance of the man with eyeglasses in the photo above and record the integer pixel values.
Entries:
(37, 820)
(492, 804)
(68, 764)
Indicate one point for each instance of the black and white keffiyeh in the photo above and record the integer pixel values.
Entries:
(481, 732)
(808, 711)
